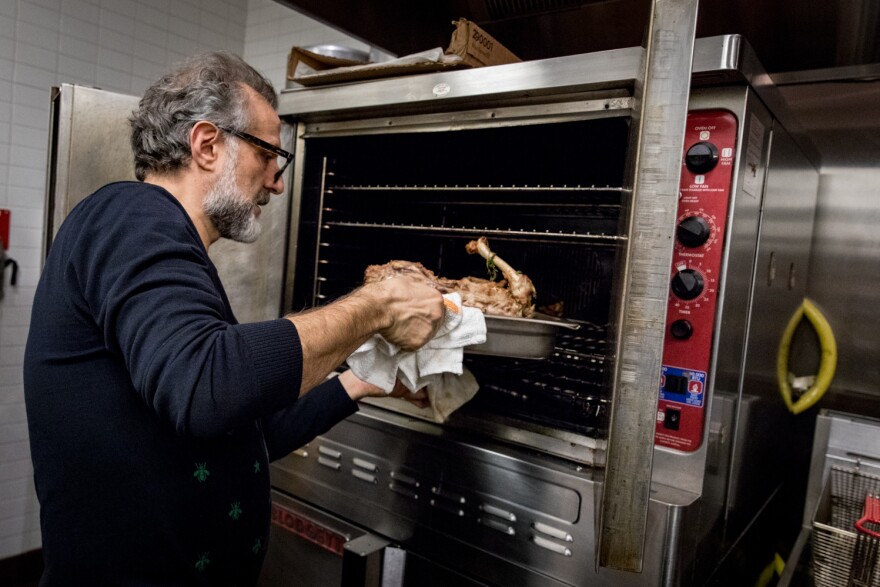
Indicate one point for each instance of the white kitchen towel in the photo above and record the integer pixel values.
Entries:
(379, 362)
(449, 392)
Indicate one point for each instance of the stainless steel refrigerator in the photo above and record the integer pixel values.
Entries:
(89, 146)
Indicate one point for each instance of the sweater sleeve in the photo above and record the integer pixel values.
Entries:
(313, 414)
(148, 283)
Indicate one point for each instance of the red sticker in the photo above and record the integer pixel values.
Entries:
(4, 228)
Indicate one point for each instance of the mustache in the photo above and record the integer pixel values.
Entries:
(263, 197)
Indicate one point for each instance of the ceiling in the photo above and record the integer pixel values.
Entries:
(824, 54)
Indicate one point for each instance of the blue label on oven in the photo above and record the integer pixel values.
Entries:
(684, 386)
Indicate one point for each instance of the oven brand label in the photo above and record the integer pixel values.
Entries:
(683, 386)
(307, 529)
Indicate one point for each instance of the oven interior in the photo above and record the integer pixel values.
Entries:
(547, 194)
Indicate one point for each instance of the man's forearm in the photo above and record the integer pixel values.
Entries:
(330, 334)
(404, 311)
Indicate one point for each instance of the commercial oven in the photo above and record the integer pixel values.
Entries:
(538, 157)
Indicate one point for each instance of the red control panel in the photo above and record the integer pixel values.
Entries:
(707, 170)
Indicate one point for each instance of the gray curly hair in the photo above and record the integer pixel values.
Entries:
(209, 86)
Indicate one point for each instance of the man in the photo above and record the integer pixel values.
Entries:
(153, 415)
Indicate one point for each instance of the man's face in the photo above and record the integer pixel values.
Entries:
(247, 178)
(232, 211)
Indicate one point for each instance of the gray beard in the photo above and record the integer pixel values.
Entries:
(227, 206)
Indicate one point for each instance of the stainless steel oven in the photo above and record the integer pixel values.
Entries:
(537, 156)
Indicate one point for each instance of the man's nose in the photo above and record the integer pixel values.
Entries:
(273, 185)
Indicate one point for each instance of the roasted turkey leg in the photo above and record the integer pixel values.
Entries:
(518, 284)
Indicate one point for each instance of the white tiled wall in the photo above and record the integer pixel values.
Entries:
(119, 45)
(115, 44)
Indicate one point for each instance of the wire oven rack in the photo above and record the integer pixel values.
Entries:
(841, 556)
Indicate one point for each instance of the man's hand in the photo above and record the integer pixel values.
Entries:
(357, 389)
(415, 310)
(417, 398)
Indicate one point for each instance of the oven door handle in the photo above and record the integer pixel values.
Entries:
(371, 561)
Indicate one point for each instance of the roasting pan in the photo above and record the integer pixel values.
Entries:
(521, 338)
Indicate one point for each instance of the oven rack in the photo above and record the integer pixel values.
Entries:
(563, 384)
(593, 405)
(588, 344)
(463, 203)
(478, 188)
(570, 354)
(615, 238)
(565, 391)
(570, 396)
(565, 372)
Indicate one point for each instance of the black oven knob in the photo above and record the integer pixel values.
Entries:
(681, 329)
(687, 284)
(693, 231)
(701, 157)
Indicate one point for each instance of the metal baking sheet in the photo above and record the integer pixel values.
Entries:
(521, 338)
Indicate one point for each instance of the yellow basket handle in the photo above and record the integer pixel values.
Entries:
(827, 365)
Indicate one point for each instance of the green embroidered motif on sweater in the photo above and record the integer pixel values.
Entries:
(201, 473)
(203, 562)
(258, 545)
(256, 466)
(235, 511)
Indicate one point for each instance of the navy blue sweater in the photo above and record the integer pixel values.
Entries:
(152, 414)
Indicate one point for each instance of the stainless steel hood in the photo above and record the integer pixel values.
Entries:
(787, 35)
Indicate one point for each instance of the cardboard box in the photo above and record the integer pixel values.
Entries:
(476, 47)
(302, 62)
(426, 61)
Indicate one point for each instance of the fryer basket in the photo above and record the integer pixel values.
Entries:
(837, 561)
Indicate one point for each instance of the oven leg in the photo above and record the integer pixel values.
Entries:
(394, 567)
(370, 561)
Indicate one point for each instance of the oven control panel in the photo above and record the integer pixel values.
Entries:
(707, 170)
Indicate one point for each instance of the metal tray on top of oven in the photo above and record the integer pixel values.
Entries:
(521, 338)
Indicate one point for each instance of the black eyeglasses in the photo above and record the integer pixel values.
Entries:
(284, 158)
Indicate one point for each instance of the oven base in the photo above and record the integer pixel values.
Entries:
(509, 517)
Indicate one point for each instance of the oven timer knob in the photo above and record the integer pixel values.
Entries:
(681, 329)
(693, 231)
(702, 157)
(687, 284)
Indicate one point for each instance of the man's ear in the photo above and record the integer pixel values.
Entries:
(204, 140)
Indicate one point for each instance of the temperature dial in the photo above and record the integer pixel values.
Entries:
(701, 157)
(693, 231)
(687, 284)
